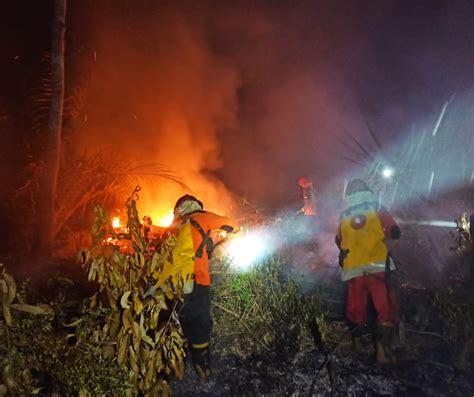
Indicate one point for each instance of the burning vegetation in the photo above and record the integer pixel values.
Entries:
(226, 102)
(273, 336)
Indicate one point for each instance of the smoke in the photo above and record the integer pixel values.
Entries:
(242, 99)
(249, 94)
(157, 93)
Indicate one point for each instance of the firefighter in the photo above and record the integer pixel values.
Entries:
(309, 197)
(367, 265)
(196, 318)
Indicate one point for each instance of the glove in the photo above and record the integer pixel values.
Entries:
(395, 232)
(342, 255)
(227, 228)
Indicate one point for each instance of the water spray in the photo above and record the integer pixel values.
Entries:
(437, 223)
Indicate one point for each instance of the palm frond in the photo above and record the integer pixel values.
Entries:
(92, 178)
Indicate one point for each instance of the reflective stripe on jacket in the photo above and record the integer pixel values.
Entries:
(208, 221)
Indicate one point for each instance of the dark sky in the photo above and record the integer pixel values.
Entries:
(247, 96)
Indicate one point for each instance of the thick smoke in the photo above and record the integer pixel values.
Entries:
(246, 94)
(241, 99)
(158, 93)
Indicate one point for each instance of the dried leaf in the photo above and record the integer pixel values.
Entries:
(11, 287)
(3, 287)
(133, 360)
(39, 309)
(122, 351)
(136, 335)
(7, 314)
(74, 323)
(112, 296)
(93, 301)
(150, 370)
(159, 361)
(137, 304)
(127, 320)
(154, 317)
(148, 340)
(124, 300)
(92, 271)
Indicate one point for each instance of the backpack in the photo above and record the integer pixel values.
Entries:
(183, 255)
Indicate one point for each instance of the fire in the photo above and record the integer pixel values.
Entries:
(116, 222)
(164, 220)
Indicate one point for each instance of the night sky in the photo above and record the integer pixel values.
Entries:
(240, 98)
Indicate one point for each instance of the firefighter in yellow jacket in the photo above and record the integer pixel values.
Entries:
(366, 265)
(194, 246)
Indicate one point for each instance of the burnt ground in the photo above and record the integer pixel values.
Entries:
(429, 363)
(428, 374)
(428, 367)
(426, 370)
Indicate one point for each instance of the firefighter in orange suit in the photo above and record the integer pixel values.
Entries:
(309, 197)
(196, 318)
(366, 266)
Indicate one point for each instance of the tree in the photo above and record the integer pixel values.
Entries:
(52, 151)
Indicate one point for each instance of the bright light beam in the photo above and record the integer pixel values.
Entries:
(246, 249)
(387, 172)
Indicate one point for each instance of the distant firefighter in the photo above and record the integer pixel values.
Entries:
(367, 265)
(309, 197)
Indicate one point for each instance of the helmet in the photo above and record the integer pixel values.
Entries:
(357, 185)
(187, 204)
(304, 182)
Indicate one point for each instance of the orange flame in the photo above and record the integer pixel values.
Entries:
(164, 219)
(116, 222)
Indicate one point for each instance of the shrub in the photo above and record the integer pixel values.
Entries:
(262, 310)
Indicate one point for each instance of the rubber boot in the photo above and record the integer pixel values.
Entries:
(358, 342)
(200, 354)
(383, 345)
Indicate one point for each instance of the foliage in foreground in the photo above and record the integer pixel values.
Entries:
(137, 330)
(123, 341)
(21, 327)
(262, 310)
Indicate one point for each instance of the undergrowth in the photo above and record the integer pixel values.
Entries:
(262, 310)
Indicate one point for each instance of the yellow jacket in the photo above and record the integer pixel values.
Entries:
(362, 235)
